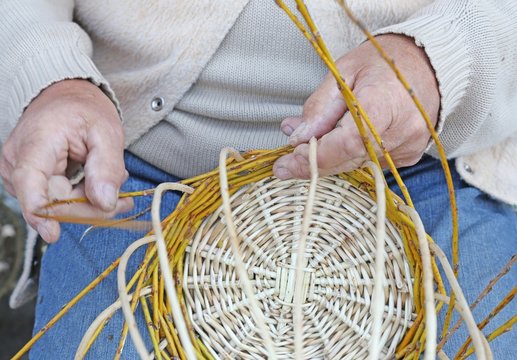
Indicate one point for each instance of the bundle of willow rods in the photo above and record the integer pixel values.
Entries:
(350, 307)
(248, 266)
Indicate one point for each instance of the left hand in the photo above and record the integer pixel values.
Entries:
(385, 101)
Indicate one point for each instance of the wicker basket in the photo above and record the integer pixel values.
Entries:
(251, 267)
(338, 276)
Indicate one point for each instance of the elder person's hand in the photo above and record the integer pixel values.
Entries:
(383, 98)
(72, 120)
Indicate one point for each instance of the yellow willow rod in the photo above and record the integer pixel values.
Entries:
(141, 276)
(85, 200)
(101, 326)
(507, 299)
(352, 100)
(65, 309)
(437, 276)
(421, 109)
(507, 326)
(439, 147)
(404, 345)
(153, 330)
(485, 292)
(124, 224)
(416, 344)
(252, 160)
(352, 104)
(170, 341)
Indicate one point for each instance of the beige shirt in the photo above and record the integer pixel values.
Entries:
(130, 49)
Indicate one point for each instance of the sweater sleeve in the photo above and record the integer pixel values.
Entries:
(40, 45)
(472, 47)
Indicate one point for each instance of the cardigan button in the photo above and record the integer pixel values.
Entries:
(468, 169)
(157, 103)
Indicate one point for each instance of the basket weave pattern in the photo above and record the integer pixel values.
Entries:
(338, 277)
(309, 283)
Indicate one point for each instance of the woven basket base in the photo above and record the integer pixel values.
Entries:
(337, 282)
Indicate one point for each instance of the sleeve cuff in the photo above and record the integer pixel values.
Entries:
(42, 70)
(449, 56)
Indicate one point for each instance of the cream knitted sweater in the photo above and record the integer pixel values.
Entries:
(147, 65)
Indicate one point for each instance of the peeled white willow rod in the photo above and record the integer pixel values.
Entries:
(300, 255)
(163, 258)
(163, 344)
(234, 241)
(506, 268)
(378, 301)
(442, 355)
(125, 299)
(447, 300)
(427, 272)
(106, 314)
(474, 332)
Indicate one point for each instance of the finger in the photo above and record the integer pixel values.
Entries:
(406, 154)
(31, 186)
(9, 188)
(341, 149)
(6, 166)
(406, 141)
(296, 166)
(292, 166)
(29, 179)
(335, 151)
(87, 210)
(344, 148)
(340, 146)
(290, 124)
(400, 162)
(321, 112)
(104, 168)
(61, 188)
(6, 170)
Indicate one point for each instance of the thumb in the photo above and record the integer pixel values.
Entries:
(104, 168)
(321, 112)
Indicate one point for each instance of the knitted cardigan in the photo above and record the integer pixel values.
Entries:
(129, 49)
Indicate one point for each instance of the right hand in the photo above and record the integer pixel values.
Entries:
(70, 121)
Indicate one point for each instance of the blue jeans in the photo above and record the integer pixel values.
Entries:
(488, 238)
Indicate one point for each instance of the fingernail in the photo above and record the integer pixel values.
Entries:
(43, 231)
(107, 196)
(287, 129)
(298, 133)
(283, 173)
(126, 205)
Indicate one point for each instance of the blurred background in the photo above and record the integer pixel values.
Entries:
(15, 324)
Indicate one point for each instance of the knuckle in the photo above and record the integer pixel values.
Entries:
(351, 147)
(311, 104)
(301, 171)
(113, 131)
(301, 168)
(105, 215)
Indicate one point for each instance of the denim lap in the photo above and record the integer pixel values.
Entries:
(71, 264)
(487, 241)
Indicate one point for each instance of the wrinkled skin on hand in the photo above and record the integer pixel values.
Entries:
(70, 121)
(383, 98)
